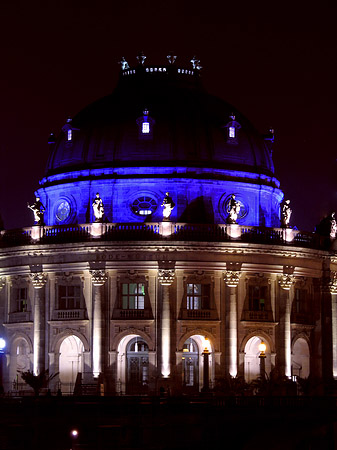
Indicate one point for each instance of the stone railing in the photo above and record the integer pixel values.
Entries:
(161, 231)
(69, 314)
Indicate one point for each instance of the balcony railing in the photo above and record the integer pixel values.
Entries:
(69, 314)
(161, 231)
(22, 316)
(132, 314)
(198, 314)
(258, 316)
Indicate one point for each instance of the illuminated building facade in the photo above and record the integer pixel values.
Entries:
(130, 302)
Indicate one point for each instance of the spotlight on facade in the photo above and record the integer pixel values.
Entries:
(2, 344)
(74, 433)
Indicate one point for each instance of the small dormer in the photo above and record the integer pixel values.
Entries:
(232, 131)
(145, 126)
(68, 131)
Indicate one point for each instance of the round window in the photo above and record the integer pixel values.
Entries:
(144, 205)
(224, 206)
(63, 211)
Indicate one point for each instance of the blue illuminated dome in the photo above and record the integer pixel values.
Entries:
(160, 131)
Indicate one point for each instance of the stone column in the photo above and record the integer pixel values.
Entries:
(166, 278)
(39, 280)
(98, 278)
(333, 292)
(284, 336)
(231, 278)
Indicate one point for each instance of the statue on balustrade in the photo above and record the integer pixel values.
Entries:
(38, 210)
(233, 210)
(333, 226)
(286, 214)
(168, 205)
(98, 208)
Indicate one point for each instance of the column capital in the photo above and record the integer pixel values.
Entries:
(232, 277)
(98, 277)
(332, 283)
(166, 276)
(286, 281)
(38, 279)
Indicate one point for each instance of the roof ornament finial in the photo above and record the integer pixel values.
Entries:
(196, 63)
(171, 58)
(124, 64)
(232, 116)
(141, 58)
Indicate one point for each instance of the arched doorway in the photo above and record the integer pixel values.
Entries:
(252, 361)
(190, 365)
(300, 359)
(70, 363)
(137, 366)
(193, 364)
(20, 362)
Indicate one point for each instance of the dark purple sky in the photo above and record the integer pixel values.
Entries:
(276, 64)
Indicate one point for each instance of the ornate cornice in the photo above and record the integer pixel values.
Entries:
(38, 279)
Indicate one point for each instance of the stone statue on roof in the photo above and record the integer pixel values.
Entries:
(98, 208)
(168, 205)
(286, 214)
(38, 210)
(233, 209)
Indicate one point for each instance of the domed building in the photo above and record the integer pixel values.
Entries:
(161, 257)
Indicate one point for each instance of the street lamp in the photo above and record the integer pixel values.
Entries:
(206, 354)
(74, 436)
(262, 356)
(2, 351)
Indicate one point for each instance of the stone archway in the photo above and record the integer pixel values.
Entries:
(70, 362)
(20, 362)
(300, 359)
(252, 361)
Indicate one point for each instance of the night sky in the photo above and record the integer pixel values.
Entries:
(275, 62)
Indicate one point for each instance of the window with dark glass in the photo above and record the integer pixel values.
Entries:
(257, 297)
(21, 299)
(299, 302)
(69, 297)
(133, 295)
(198, 296)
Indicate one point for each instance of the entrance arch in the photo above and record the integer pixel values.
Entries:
(133, 365)
(193, 363)
(300, 359)
(252, 361)
(20, 362)
(70, 362)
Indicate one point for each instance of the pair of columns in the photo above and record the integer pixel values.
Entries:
(231, 278)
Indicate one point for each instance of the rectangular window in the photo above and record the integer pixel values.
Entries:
(133, 295)
(70, 135)
(69, 297)
(21, 299)
(299, 303)
(257, 297)
(145, 127)
(198, 296)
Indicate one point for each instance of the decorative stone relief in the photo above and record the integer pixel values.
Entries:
(2, 282)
